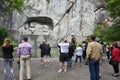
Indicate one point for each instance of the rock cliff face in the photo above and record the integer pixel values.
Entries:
(66, 17)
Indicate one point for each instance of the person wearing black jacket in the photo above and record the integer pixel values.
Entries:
(7, 50)
(42, 47)
(47, 54)
(70, 54)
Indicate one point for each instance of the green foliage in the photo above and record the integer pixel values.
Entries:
(14, 43)
(114, 7)
(100, 31)
(0, 51)
(113, 33)
(8, 6)
(3, 34)
(88, 39)
(108, 34)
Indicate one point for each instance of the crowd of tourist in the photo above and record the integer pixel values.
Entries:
(90, 53)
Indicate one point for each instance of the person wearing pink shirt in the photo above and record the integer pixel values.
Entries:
(25, 52)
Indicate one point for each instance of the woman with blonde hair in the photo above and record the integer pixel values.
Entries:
(79, 53)
(7, 50)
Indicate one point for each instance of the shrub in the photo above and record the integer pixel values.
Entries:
(3, 34)
(100, 31)
(113, 33)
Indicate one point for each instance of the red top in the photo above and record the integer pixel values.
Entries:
(115, 54)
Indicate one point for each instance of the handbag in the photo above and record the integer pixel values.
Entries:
(113, 62)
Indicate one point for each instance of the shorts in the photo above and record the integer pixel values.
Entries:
(63, 57)
(46, 58)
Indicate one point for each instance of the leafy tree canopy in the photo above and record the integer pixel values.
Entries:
(108, 34)
(114, 7)
(100, 31)
(8, 6)
(113, 33)
(3, 34)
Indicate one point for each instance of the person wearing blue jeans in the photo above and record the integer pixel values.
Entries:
(79, 53)
(7, 50)
(78, 57)
(70, 54)
(6, 63)
(94, 54)
(69, 62)
(94, 69)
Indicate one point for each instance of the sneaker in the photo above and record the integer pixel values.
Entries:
(59, 70)
(74, 64)
(45, 66)
(48, 65)
(41, 63)
(80, 65)
(115, 75)
(100, 74)
(65, 70)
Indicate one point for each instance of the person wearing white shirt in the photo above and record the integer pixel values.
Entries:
(64, 50)
(79, 53)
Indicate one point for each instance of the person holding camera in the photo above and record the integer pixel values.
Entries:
(64, 50)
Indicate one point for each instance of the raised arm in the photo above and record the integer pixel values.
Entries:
(59, 40)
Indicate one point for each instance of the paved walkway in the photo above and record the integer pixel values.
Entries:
(77, 72)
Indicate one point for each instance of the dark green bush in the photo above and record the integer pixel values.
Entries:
(3, 34)
(107, 34)
(0, 51)
(113, 33)
(14, 43)
(100, 31)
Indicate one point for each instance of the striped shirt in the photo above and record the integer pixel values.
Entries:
(24, 49)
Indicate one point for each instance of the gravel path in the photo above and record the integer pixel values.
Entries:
(40, 72)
